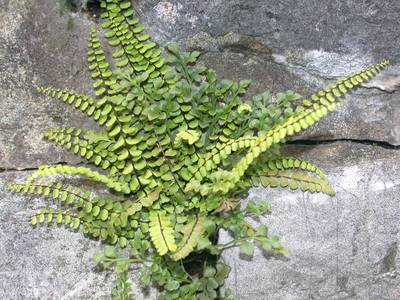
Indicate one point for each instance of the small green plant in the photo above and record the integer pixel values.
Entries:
(178, 150)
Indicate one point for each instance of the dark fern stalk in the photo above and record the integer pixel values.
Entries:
(180, 149)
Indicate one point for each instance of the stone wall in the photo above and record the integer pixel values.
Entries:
(343, 247)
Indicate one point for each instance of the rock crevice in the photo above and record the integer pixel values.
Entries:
(372, 143)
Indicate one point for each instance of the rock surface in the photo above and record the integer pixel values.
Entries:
(279, 45)
(37, 48)
(43, 263)
(294, 45)
(47, 262)
(344, 247)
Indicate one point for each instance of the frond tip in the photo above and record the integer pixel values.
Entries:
(85, 103)
(82, 171)
(293, 180)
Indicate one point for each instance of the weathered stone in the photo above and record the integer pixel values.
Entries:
(38, 48)
(367, 114)
(312, 43)
(47, 262)
(344, 247)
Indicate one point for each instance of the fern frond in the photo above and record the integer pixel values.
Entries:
(93, 146)
(81, 143)
(161, 232)
(263, 142)
(85, 103)
(301, 120)
(285, 163)
(191, 235)
(99, 67)
(100, 216)
(51, 215)
(211, 160)
(96, 147)
(292, 180)
(136, 48)
(118, 120)
(82, 171)
(333, 92)
(281, 172)
(68, 195)
(106, 87)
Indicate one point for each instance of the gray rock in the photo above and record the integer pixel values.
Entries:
(294, 45)
(48, 262)
(44, 263)
(331, 26)
(38, 48)
(344, 247)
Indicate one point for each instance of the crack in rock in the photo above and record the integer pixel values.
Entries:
(35, 168)
(388, 81)
(381, 144)
(3, 170)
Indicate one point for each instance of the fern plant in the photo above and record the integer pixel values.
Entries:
(178, 150)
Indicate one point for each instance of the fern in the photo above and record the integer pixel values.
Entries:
(290, 172)
(161, 233)
(191, 234)
(177, 150)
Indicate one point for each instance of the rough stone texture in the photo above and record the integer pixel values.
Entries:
(344, 247)
(48, 262)
(280, 45)
(36, 47)
(298, 45)
(43, 263)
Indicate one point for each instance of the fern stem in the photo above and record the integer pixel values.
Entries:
(234, 242)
